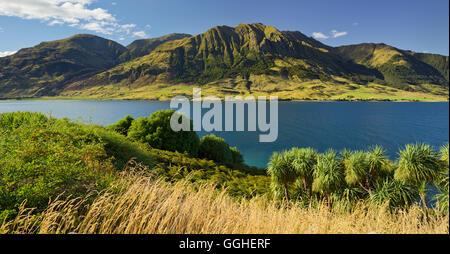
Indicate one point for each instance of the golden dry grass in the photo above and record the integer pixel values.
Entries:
(140, 205)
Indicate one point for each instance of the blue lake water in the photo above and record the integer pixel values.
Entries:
(321, 125)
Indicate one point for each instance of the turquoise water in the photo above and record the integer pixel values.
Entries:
(321, 125)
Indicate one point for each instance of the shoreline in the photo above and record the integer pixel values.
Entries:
(221, 99)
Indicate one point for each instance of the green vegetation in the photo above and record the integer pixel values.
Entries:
(418, 165)
(352, 176)
(122, 126)
(156, 131)
(217, 149)
(43, 159)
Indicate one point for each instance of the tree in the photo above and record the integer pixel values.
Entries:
(237, 156)
(156, 131)
(122, 126)
(305, 160)
(393, 191)
(366, 168)
(418, 165)
(329, 175)
(216, 149)
(282, 171)
(443, 181)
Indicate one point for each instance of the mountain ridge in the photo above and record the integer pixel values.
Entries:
(247, 55)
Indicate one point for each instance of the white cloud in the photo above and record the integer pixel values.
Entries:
(336, 33)
(55, 22)
(127, 28)
(141, 34)
(355, 24)
(1, 29)
(114, 3)
(74, 13)
(319, 35)
(7, 53)
(148, 27)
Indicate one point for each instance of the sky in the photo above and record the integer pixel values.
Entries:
(418, 25)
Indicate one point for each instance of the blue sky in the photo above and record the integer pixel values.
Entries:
(417, 25)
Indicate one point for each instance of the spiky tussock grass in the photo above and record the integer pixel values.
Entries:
(139, 204)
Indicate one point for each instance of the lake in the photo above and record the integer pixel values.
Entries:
(321, 125)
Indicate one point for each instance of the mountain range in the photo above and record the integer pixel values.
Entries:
(246, 59)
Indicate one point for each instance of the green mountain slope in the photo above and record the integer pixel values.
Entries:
(144, 47)
(46, 68)
(246, 59)
(439, 62)
(399, 68)
(224, 52)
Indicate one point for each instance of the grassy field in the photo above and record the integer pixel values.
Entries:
(263, 85)
(137, 204)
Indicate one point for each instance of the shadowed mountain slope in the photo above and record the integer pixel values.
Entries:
(400, 68)
(49, 66)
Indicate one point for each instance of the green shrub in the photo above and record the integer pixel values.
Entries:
(237, 156)
(395, 192)
(42, 158)
(122, 126)
(156, 132)
(216, 149)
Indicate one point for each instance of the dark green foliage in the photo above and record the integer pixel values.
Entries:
(356, 176)
(366, 168)
(156, 132)
(329, 174)
(417, 164)
(395, 192)
(237, 156)
(122, 126)
(216, 149)
(442, 181)
(305, 161)
(282, 171)
(245, 182)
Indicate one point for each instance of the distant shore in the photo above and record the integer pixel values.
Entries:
(59, 98)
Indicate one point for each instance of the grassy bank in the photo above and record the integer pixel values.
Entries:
(57, 176)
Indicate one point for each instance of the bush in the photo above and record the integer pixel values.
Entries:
(42, 158)
(156, 131)
(122, 126)
(216, 149)
(237, 156)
